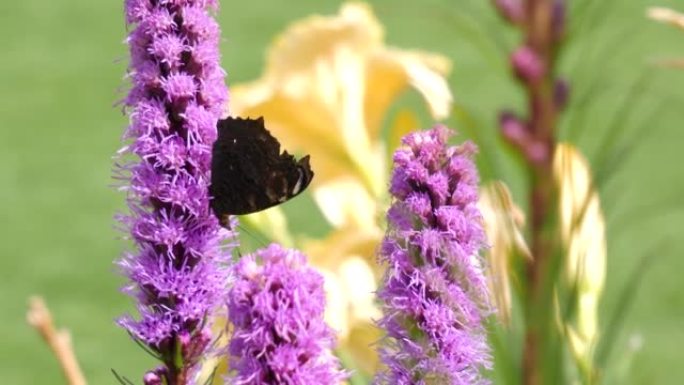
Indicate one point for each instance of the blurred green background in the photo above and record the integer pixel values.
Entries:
(62, 72)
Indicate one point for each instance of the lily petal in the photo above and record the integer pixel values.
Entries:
(313, 88)
(392, 71)
(503, 221)
(344, 251)
(583, 231)
(360, 286)
(666, 15)
(345, 202)
(346, 259)
(336, 304)
(327, 87)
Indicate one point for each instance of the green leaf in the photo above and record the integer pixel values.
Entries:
(625, 302)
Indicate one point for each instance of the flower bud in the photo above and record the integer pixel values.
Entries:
(561, 93)
(517, 133)
(558, 16)
(192, 347)
(154, 377)
(512, 128)
(511, 10)
(527, 64)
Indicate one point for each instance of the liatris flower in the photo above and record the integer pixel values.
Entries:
(276, 309)
(326, 90)
(177, 271)
(434, 291)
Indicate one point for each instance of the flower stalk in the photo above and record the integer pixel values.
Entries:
(40, 318)
(543, 25)
(177, 269)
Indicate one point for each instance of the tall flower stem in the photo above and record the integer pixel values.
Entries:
(542, 126)
(542, 22)
(59, 341)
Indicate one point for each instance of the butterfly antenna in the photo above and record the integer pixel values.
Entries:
(260, 240)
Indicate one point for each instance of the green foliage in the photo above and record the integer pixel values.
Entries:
(62, 74)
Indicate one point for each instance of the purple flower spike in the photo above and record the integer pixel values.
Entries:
(434, 293)
(276, 309)
(178, 270)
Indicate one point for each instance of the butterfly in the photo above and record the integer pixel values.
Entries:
(248, 172)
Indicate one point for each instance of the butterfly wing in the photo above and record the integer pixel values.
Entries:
(248, 172)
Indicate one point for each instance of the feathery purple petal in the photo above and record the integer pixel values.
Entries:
(276, 308)
(178, 269)
(434, 294)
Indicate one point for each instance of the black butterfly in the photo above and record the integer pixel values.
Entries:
(248, 172)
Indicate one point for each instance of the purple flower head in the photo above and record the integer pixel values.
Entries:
(434, 292)
(276, 310)
(178, 269)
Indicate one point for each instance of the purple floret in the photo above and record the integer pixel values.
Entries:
(178, 269)
(434, 294)
(276, 308)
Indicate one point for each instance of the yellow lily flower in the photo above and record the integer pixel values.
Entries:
(328, 83)
(326, 90)
(350, 283)
(583, 234)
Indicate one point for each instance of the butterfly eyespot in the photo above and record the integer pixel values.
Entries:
(298, 185)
